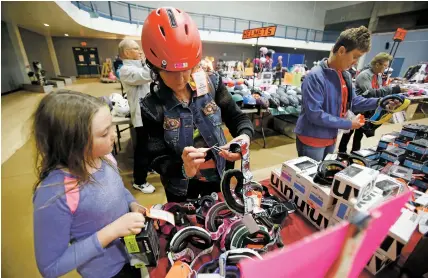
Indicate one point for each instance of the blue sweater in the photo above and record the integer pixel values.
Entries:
(65, 224)
(322, 100)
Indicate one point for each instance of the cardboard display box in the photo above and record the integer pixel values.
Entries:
(342, 211)
(399, 235)
(319, 196)
(415, 165)
(418, 150)
(317, 217)
(353, 182)
(345, 210)
(412, 130)
(386, 140)
(303, 182)
(295, 166)
(392, 155)
(377, 263)
(333, 221)
(389, 186)
(400, 172)
(367, 154)
(278, 182)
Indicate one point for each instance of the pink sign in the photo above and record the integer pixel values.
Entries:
(313, 256)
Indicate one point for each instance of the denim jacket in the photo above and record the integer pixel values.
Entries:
(170, 125)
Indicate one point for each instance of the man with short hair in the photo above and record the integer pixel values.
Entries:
(135, 77)
(328, 95)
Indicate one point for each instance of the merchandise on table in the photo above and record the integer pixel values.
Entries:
(353, 182)
(417, 150)
(386, 140)
(394, 155)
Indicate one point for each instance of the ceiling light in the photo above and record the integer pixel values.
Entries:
(295, 48)
(66, 35)
(47, 25)
(253, 45)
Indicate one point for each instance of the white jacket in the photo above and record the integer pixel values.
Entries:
(136, 80)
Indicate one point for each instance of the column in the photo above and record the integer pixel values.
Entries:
(52, 53)
(18, 46)
(374, 19)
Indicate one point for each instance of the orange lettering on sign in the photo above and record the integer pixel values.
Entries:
(259, 32)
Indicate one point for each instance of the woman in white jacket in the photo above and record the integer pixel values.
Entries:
(135, 78)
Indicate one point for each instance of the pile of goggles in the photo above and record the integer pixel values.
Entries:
(246, 224)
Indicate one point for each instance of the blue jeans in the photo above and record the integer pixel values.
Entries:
(315, 153)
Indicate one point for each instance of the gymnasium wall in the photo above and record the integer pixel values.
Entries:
(414, 49)
(11, 77)
(36, 48)
(280, 12)
(107, 48)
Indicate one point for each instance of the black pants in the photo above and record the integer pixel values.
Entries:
(279, 76)
(128, 271)
(195, 188)
(356, 143)
(141, 159)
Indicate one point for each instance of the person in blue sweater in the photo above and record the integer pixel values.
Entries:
(81, 207)
(328, 95)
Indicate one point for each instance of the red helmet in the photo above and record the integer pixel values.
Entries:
(171, 40)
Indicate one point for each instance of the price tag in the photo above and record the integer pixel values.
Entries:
(200, 80)
(131, 244)
(161, 214)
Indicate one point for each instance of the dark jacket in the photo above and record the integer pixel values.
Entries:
(322, 100)
(170, 125)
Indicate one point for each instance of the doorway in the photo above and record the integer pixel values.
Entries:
(87, 61)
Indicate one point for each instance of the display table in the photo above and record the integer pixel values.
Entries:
(294, 229)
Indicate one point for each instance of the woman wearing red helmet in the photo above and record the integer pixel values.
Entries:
(185, 109)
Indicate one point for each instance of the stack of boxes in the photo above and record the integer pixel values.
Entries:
(326, 206)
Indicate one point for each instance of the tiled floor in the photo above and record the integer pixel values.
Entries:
(18, 174)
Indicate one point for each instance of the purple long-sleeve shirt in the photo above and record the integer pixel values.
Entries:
(65, 224)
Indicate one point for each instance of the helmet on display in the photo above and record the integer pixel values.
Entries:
(238, 99)
(171, 40)
(263, 60)
(299, 90)
(274, 102)
(299, 98)
(231, 84)
(239, 88)
(281, 90)
(249, 101)
(275, 95)
(293, 100)
(115, 97)
(291, 92)
(246, 92)
(121, 108)
(299, 109)
(262, 102)
(240, 81)
(256, 91)
(284, 101)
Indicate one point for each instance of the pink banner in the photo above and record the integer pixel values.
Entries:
(313, 256)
